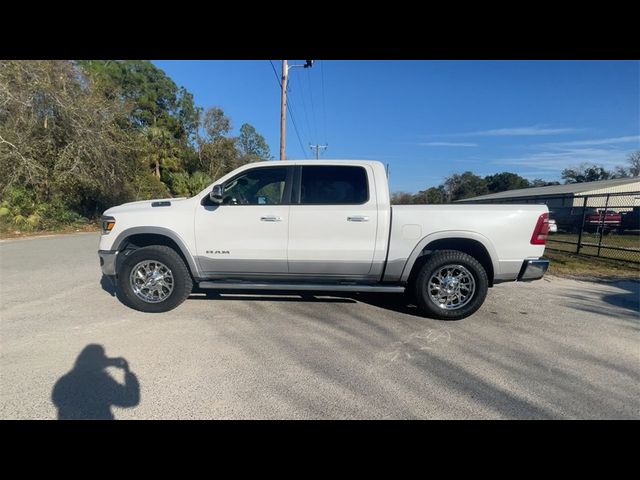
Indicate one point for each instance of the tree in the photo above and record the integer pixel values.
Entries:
(217, 151)
(432, 195)
(501, 182)
(215, 123)
(634, 163)
(60, 137)
(161, 151)
(401, 198)
(465, 185)
(79, 137)
(251, 145)
(538, 182)
(156, 101)
(585, 173)
(187, 185)
(620, 172)
(633, 170)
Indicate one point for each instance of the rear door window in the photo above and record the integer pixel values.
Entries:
(333, 185)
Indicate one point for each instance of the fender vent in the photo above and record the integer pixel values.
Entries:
(161, 204)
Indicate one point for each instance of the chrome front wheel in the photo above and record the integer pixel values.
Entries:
(151, 281)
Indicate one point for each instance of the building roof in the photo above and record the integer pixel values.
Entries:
(571, 188)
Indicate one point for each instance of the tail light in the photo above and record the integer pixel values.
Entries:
(541, 231)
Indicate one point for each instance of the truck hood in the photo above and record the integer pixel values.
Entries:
(141, 205)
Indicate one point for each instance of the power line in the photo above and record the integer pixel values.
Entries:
(313, 110)
(295, 127)
(275, 73)
(324, 108)
(304, 105)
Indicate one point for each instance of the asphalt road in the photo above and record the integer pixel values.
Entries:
(555, 348)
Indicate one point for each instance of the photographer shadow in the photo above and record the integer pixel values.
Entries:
(89, 392)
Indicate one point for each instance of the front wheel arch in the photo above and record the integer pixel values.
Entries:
(135, 241)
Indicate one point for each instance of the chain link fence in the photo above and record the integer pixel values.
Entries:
(604, 225)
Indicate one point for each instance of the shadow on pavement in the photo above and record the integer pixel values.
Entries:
(630, 299)
(626, 303)
(89, 392)
(108, 286)
(266, 296)
(389, 301)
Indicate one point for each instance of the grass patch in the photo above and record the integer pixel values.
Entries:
(613, 239)
(565, 264)
(629, 241)
(85, 227)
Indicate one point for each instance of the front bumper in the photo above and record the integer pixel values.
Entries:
(533, 269)
(108, 261)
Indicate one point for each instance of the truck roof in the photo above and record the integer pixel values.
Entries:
(320, 162)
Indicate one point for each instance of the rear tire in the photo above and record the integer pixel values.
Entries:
(174, 280)
(451, 285)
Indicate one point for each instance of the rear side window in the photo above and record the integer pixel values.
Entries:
(333, 185)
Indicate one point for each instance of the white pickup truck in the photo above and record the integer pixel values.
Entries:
(321, 226)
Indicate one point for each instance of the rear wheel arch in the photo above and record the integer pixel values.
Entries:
(470, 246)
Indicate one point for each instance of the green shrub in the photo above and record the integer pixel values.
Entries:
(20, 210)
(185, 185)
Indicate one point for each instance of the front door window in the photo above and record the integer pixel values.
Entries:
(259, 186)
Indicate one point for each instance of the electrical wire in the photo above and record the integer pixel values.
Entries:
(304, 105)
(324, 107)
(313, 110)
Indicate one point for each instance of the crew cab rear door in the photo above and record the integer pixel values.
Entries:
(332, 221)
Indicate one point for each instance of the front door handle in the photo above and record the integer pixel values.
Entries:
(358, 218)
(271, 218)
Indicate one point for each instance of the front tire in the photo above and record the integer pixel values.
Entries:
(451, 285)
(153, 279)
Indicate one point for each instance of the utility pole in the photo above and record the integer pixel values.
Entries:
(317, 149)
(283, 104)
(283, 109)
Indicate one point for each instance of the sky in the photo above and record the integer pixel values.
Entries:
(429, 119)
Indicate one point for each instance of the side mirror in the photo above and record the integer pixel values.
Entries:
(216, 194)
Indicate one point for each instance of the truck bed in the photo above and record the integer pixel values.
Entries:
(504, 230)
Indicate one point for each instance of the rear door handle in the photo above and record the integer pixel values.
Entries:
(271, 218)
(358, 218)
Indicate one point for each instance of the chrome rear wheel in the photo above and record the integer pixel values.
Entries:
(451, 287)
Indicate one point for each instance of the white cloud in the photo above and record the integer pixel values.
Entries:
(533, 130)
(447, 144)
(556, 161)
(599, 141)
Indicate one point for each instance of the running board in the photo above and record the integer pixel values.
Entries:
(309, 287)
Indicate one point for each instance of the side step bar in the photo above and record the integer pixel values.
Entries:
(309, 287)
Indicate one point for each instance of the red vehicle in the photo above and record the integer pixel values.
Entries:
(602, 220)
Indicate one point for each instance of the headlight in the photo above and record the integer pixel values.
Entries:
(107, 224)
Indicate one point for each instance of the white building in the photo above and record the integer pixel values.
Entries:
(573, 195)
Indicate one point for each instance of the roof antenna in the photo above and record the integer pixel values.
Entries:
(387, 171)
